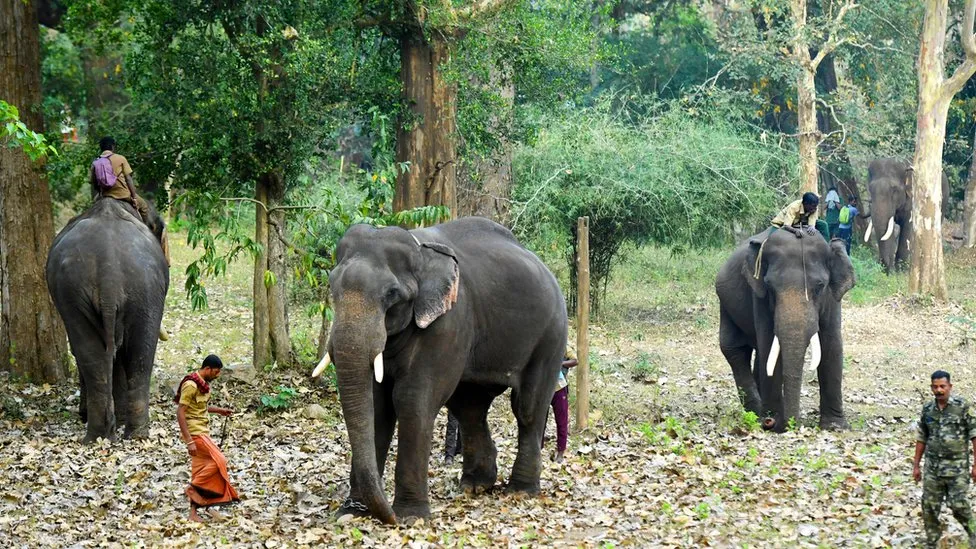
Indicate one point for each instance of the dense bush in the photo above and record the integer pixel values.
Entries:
(664, 176)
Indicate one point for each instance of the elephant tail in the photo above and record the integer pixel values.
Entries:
(108, 327)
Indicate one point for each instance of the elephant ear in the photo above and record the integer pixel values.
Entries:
(841, 270)
(438, 279)
(753, 268)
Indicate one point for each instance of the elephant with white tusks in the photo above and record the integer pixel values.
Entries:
(890, 187)
(779, 293)
(453, 314)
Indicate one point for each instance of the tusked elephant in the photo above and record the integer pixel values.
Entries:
(891, 205)
(778, 295)
(453, 314)
(108, 276)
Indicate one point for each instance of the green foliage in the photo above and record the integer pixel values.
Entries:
(14, 134)
(12, 407)
(278, 401)
(646, 368)
(657, 173)
(750, 421)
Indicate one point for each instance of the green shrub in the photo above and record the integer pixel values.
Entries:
(278, 401)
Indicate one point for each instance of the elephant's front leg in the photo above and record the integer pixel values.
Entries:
(470, 404)
(384, 421)
(831, 377)
(416, 410)
(738, 353)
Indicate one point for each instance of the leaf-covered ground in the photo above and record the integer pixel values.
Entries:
(668, 462)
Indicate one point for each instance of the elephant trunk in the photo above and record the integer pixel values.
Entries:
(796, 327)
(355, 357)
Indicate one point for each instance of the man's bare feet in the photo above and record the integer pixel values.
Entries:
(193, 514)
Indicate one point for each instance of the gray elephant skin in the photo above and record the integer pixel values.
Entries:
(453, 314)
(108, 277)
(795, 301)
(891, 206)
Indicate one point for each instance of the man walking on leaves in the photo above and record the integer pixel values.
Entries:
(209, 481)
(945, 432)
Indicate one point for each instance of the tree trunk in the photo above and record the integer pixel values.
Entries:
(969, 215)
(806, 101)
(425, 135)
(806, 112)
(271, 340)
(935, 93)
(32, 338)
(927, 272)
(485, 183)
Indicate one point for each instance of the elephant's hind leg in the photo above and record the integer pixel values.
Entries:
(470, 405)
(530, 404)
(138, 365)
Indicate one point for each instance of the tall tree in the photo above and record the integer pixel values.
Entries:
(969, 206)
(426, 137)
(935, 93)
(32, 338)
(806, 91)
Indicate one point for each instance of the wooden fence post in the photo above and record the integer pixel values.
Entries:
(582, 323)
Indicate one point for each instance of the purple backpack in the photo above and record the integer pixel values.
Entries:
(104, 174)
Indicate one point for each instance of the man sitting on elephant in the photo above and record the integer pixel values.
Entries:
(802, 213)
(120, 187)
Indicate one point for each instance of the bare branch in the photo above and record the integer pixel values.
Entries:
(964, 71)
(833, 42)
(265, 206)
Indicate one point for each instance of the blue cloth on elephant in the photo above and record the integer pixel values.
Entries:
(947, 436)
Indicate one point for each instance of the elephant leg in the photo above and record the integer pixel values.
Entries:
(416, 410)
(138, 364)
(83, 399)
(120, 393)
(530, 405)
(384, 421)
(903, 255)
(831, 375)
(470, 404)
(100, 403)
(738, 354)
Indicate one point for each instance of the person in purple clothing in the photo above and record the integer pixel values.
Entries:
(560, 407)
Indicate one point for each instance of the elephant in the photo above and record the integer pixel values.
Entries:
(890, 188)
(778, 292)
(448, 315)
(108, 276)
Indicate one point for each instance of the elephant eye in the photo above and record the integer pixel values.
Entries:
(392, 294)
(819, 288)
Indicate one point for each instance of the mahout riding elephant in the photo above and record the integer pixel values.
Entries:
(891, 204)
(779, 293)
(108, 276)
(453, 314)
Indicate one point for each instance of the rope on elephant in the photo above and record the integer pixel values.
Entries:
(803, 260)
(755, 273)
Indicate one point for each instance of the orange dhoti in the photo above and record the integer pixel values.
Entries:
(209, 481)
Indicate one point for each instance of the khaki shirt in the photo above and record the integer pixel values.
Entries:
(793, 214)
(197, 419)
(121, 168)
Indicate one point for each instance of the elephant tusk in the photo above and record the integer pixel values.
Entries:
(891, 229)
(867, 233)
(378, 368)
(773, 357)
(326, 360)
(908, 245)
(815, 352)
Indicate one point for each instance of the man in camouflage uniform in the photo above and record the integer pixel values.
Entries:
(945, 431)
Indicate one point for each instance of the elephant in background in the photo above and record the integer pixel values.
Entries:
(453, 314)
(108, 276)
(780, 292)
(890, 188)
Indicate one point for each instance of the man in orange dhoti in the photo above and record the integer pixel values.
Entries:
(209, 481)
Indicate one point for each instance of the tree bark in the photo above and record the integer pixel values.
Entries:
(969, 211)
(32, 338)
(425, 136)
(806, 112)
(271, 339)
(927, 272)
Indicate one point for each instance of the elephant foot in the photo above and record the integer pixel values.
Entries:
(473, 485)
(92, 439)
(836, 424)
(409, 514)
(515, 486)
(138, 433)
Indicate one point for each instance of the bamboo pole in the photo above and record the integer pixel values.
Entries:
(582, 323)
